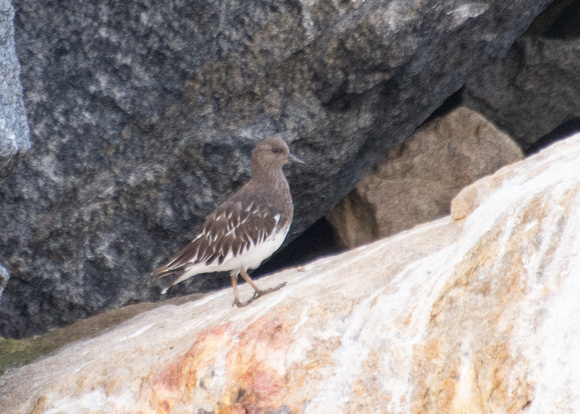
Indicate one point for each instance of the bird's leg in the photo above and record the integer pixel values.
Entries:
(234, 277)
(246, 277)
(257, 291)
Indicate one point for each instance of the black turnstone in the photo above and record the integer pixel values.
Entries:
(247, 228)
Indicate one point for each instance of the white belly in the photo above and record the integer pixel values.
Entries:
(253, 257)
(249, 259)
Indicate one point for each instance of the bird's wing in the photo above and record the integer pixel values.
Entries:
(232, 229)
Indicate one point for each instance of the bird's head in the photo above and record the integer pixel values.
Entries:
(271, 154)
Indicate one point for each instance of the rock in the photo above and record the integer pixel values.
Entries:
(4, 276)
(14, 133)
(416, 182)
(475, 315)
(560, 20)
(144, 114)
(15, 353)
(531, 91)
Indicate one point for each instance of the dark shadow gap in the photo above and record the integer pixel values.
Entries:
(558, 133)
(317, 241)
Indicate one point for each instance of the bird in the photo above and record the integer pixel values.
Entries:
(247, 228)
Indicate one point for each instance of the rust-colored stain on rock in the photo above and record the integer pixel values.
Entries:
(233, 368)
(258, 369)
(257, 365)
(178, 379)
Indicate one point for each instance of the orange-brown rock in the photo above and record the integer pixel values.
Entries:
(474, 315)
(417, 181)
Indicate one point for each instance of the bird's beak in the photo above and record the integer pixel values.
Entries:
(294, 158)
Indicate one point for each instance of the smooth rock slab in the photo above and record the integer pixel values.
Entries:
(475, 315)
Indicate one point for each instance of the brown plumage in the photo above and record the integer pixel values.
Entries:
(247, 228)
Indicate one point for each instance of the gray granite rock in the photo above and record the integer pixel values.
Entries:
(145, 114)
(4, 276)
(14, 133)
(560, 20)
(532, 90)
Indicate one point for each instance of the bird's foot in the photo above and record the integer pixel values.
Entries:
(257, 294)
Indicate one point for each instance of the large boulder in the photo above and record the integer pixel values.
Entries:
(14, 133)
(143, 115)
(474, 315)
(531, 91)
(416, 181)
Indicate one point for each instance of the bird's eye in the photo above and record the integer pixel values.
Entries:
(275, 150)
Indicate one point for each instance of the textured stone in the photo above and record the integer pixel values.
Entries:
(532, 90)
(416, 182)
(4, 276)
(144, 113)
(477, 315)
(14, 133)
(560, 20)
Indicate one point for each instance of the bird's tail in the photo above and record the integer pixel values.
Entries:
(162, 272)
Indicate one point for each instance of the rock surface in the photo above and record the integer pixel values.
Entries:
(476, 315)
(560, 20)
(532, 90)
(4, 276)
(416, 182)
(14, 133)
(143, 115)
